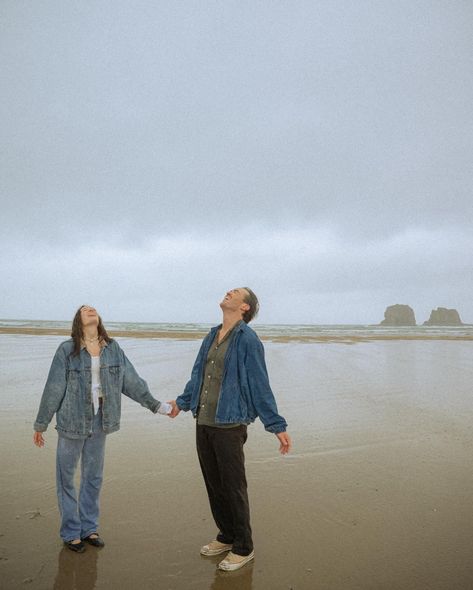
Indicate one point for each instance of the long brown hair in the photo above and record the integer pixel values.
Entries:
(77, 332)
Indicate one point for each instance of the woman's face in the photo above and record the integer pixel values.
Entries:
(89, 316)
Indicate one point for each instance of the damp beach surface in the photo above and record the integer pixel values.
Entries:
(376, 493)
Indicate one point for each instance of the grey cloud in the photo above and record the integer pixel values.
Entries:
(356, 115)
(330, 142)
(301, 277)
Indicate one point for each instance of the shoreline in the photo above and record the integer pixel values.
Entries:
(197, 335)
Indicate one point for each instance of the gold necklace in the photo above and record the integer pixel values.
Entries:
(91, 339)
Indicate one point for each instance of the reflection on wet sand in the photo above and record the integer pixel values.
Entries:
(76, 571)
(238, 580)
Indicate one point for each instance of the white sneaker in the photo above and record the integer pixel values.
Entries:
(214, 548)
(235, 562)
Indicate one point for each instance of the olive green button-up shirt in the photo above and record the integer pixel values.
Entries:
(213, 375)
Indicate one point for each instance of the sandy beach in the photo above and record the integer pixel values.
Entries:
(375, 496)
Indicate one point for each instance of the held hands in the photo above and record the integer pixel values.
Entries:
(169, 409)
(285, 441)
(165, 408)
(175, 410)
(38, 439)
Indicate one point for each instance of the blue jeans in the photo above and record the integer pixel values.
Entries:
(79, 519)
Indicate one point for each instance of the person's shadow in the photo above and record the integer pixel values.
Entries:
(76, 571)
(238, 580)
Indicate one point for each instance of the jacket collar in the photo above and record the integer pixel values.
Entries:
(238, 326)
(103, 344)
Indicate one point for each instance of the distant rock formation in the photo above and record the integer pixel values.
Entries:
(444, 317)
(399, 315)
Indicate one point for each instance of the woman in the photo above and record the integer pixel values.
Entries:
(88, 374)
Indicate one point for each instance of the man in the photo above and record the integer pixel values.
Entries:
(228, 389)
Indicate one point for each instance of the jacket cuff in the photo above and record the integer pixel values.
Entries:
(38, 427)
(277, 429)
(182, 405)
(154, 406)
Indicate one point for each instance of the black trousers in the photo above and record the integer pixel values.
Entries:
(222, 461)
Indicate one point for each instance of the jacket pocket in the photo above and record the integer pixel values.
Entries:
(70, 415)
(114, 376)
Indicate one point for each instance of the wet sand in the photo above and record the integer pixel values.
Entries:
(376, 494)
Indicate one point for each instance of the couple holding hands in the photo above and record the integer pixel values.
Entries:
(228, 389)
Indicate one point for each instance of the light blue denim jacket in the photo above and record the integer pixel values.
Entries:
(68, 390)
(245, 392)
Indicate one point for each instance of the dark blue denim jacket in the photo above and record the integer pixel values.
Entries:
(68, 390)
(245, 392)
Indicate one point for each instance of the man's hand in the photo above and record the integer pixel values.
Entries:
(38, 439)
(285, 441)
(175, 410)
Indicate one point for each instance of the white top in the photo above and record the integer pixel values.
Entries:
(96, 387)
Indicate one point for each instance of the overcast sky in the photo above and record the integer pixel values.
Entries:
(156, 154)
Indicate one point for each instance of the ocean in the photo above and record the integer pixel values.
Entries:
(290, 331)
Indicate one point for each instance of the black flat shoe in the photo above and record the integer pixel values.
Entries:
(95, 541)
(77, 547)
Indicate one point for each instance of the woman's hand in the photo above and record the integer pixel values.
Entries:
(38, 439)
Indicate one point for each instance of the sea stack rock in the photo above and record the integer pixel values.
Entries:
(399, 315)
(444, 317)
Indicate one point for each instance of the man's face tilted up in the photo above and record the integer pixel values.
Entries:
(234, 301)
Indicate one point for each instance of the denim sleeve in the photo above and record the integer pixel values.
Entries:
(53, 392)
(260, 389)
(184, 401)
(136, 388)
